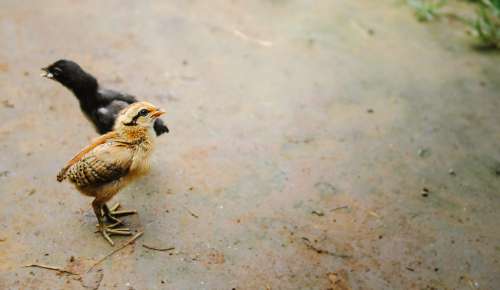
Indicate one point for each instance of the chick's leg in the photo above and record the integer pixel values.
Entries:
(111, 217)
(97, 206)
(113, 212)
(105, 230)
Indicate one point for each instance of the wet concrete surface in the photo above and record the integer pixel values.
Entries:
(327, 145)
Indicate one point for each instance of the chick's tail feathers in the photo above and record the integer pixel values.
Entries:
(160, 127)
(62, 174)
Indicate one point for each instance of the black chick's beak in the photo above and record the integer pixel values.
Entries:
(46, 74)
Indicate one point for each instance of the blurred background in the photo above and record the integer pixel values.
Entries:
(328, 144)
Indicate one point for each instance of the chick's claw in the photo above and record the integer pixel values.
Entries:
(112, 213)
(123, 212)
(107, 232)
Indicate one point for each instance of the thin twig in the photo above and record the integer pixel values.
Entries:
(60, 270)
(318, 213)
(191, 213)
(309, 245)
(158, 249)
(251, 39)
(340, 207)
(130, 241)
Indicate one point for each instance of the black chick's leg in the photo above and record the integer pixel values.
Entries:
(105, 230)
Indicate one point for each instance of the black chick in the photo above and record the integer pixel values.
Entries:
(101, 106)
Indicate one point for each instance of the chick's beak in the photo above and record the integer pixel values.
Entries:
(157, 113)
(46, 73)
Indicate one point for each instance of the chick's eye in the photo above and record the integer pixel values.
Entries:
(143, 112)
(56, 70)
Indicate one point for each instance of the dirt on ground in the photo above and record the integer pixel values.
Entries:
(314, 145)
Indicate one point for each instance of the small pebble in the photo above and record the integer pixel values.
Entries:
(424, 152)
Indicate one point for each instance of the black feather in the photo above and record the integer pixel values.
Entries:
(101, 106)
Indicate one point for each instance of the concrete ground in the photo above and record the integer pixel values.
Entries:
(314, 145)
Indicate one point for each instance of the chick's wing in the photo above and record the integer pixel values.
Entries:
(105, 163)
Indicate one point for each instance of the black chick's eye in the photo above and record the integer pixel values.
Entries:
(56, 71)
(143, 112)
